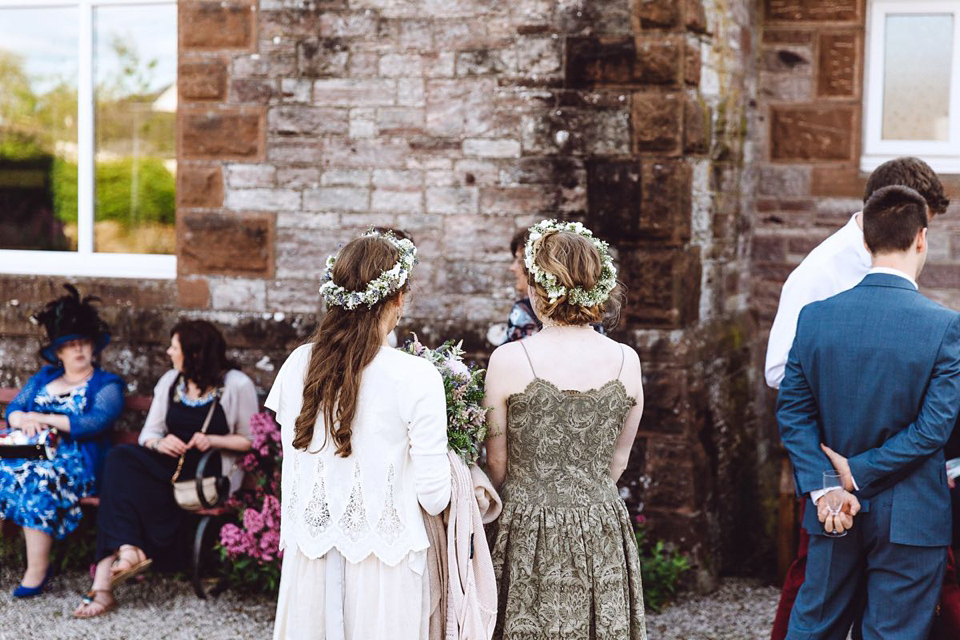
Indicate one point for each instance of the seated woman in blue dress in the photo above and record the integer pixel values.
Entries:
(81, 402)
(138, 520)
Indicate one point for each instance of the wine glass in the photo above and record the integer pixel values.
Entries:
(833, 483)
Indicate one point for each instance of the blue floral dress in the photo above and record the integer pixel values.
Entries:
(45, 494)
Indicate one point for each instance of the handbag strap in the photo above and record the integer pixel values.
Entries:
(203, 429)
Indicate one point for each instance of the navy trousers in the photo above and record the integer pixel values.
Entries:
(902, 583)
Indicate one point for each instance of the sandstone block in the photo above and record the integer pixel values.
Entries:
(593, 61)
(692, 63)
(453, 200)
(306, 121)
(193, 293)
(336, 199)
(695, 18)
(812, 133)
(253, 91)
(811, 10)
(205, 80)
(294, 90)
(226, 244)
(765, 248)
(696, 125)
(216, 26)
(397, 179)
(358, 24)
(658, 13)
(538, 57)
(658, 61)
(400, 120)
(838, 181)
(199, 186)
(326, 57)
(664, 286)
(298, 177)
(238, 294)
(665, 205)
(393, 201)
(295, 151)
(486, 148)
(221, 135)
(657, 122)
(263, 199)
(350, 92)
(784, 180)
(345, 177)
(245, 176)
(839, 64)
(513, 200)
(485, 62)
(572, 131)
(397, 65)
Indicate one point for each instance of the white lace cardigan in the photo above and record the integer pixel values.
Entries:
(369, 502)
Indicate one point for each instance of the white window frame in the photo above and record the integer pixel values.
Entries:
(942, 156)
(85, 261)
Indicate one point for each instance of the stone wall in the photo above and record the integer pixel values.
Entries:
(302, 123)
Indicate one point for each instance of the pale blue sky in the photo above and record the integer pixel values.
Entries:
(47, 39)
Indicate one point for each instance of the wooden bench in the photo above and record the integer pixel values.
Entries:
(141, 404)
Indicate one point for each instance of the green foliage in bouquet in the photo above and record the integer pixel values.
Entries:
(463, 385)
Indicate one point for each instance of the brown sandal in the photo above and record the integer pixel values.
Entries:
(132, 569)
(90, 600)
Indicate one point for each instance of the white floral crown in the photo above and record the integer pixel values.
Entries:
(384, 285)
(578, 296)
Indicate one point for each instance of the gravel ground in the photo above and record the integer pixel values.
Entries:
(156, 608)
(162, 608)
(741, 609)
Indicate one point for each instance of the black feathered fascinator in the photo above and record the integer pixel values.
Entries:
(71, 318)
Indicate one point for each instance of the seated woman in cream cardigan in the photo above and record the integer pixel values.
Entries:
(364, 448)
(138, 517)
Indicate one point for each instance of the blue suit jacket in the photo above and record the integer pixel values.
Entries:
(874, 373)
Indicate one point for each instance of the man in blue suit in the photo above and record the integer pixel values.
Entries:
(874, 375)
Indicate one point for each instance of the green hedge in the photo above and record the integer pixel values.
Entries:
(114, 182)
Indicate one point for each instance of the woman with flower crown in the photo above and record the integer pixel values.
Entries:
(565, 407)
(363, 428)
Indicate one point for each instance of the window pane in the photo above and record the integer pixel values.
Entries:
(916, 77)
(135, 74)
(38, 128)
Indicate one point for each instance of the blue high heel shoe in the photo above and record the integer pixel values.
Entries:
(29, 592)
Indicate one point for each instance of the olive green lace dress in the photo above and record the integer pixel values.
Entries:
(564, 553)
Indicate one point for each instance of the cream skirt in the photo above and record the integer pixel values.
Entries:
(367, 601)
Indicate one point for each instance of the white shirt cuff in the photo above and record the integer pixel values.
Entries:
(819, 493)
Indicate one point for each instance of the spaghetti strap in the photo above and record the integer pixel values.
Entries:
(623, 357)
(529, 361)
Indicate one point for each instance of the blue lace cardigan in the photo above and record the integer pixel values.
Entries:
(90, 429)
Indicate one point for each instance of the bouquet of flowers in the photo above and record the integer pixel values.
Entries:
(251, 551)
(463, 384)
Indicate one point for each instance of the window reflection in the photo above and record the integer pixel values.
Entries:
(916, 83)
(135, 51)
(38, 128)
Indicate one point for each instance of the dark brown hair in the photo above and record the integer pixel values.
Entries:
(575, 262)
(519, 241)
(204, 350)
(913, 173)
(892, 218)
(344, 344)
